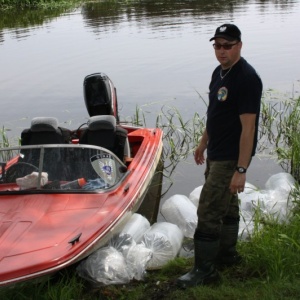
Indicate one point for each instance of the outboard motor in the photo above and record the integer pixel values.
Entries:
(100, 95)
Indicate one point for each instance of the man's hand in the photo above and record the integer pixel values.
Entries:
(237, 183)
(199, 155)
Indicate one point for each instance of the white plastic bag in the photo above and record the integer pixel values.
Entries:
(276, 204)
(249, 197)
(165, 240)
(105, 266)
(283, 182)
(136, 227)
(195, 195)
(179, 210)
(122, 242)
(31, 180)
(272, 202)
(136, 259)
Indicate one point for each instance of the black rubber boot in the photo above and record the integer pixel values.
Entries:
(204, 271)
(228, 256)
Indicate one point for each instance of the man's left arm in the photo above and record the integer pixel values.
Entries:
(238, 181)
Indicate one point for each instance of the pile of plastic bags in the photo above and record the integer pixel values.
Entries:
(271, 201)
(140, 247)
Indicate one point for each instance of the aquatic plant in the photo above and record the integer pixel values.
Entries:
(280, 131)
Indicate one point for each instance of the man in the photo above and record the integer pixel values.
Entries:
(230, 139)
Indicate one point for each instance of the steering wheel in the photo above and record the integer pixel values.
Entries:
(19, 169)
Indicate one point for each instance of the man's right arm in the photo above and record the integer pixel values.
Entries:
(199, 152)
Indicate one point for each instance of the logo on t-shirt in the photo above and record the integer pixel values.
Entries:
(222, 93)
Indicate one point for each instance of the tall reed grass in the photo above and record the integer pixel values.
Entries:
(280, 131)
(4, 142)
(279, 134)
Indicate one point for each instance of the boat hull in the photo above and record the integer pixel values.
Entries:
(43, 233)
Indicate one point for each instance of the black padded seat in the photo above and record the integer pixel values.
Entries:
(45, 130)
(103, 131)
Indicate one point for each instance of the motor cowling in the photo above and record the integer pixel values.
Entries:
(100, 95)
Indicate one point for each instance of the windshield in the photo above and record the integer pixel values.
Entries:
(58, 168)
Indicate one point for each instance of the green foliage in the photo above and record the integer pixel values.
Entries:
(16, 14)
(24, 4)
(4, 142)
(280, 129)
(273, 253)
(180, 136)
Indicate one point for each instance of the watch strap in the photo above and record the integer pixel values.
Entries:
(241, 169)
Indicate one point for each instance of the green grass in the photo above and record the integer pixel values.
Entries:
(270, 270)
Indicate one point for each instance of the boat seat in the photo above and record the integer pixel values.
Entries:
(45, 130)
(103, 131)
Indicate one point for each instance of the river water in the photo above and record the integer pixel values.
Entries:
(156, 53)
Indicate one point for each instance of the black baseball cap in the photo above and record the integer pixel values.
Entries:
(228, 32)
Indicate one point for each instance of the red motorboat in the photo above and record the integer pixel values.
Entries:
(62, 199)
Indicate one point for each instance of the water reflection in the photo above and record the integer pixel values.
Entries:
(27, 18)
(23, 23)
(171, 14)
(107, 15)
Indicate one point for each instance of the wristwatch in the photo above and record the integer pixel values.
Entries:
(241, 170)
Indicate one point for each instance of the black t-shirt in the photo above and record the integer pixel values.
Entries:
(237, 93)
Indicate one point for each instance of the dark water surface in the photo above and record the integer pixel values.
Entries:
(155, 53)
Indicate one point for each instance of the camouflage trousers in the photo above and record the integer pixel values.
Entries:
(217, 205)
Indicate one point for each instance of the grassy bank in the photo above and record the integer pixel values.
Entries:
(270, 270)
(271, 257)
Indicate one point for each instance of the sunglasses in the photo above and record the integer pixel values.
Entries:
(225, 46)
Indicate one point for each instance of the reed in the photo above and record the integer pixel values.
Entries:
(180, 137)
(4, 142)
(280, 133)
